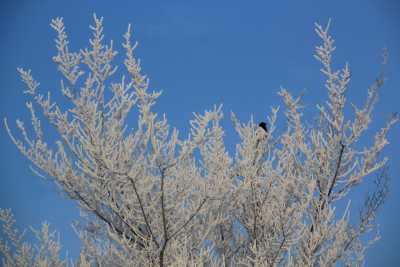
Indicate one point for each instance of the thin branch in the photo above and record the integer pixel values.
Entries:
(339, 162)
(190, 218)
(142, 210)
(106, 220)
(324, 201)
(164, 220)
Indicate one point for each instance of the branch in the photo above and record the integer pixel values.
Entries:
(142, 210)
(336, 173)
(106, 220)
(278, 252)
(164, 220)
(337, 169)
(190, 218)
(339, 162)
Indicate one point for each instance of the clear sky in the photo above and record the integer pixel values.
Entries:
(202, 53)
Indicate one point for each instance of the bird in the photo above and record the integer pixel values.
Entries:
(261, 132)
(263, 125)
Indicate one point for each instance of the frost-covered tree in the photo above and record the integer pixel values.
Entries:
(150, 197)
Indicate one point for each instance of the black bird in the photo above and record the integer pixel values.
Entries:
(263, 125)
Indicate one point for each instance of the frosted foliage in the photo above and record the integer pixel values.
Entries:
(150, 197)
(15, 252)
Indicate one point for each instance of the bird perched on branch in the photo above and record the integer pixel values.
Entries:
(261, 136)
(263, 125)
(261, 132)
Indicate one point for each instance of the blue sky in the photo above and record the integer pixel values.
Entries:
(202, 53)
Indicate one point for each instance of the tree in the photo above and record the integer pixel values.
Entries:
(153, 198)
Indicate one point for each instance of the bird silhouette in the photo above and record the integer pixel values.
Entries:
(263, 125)
(261, 132)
